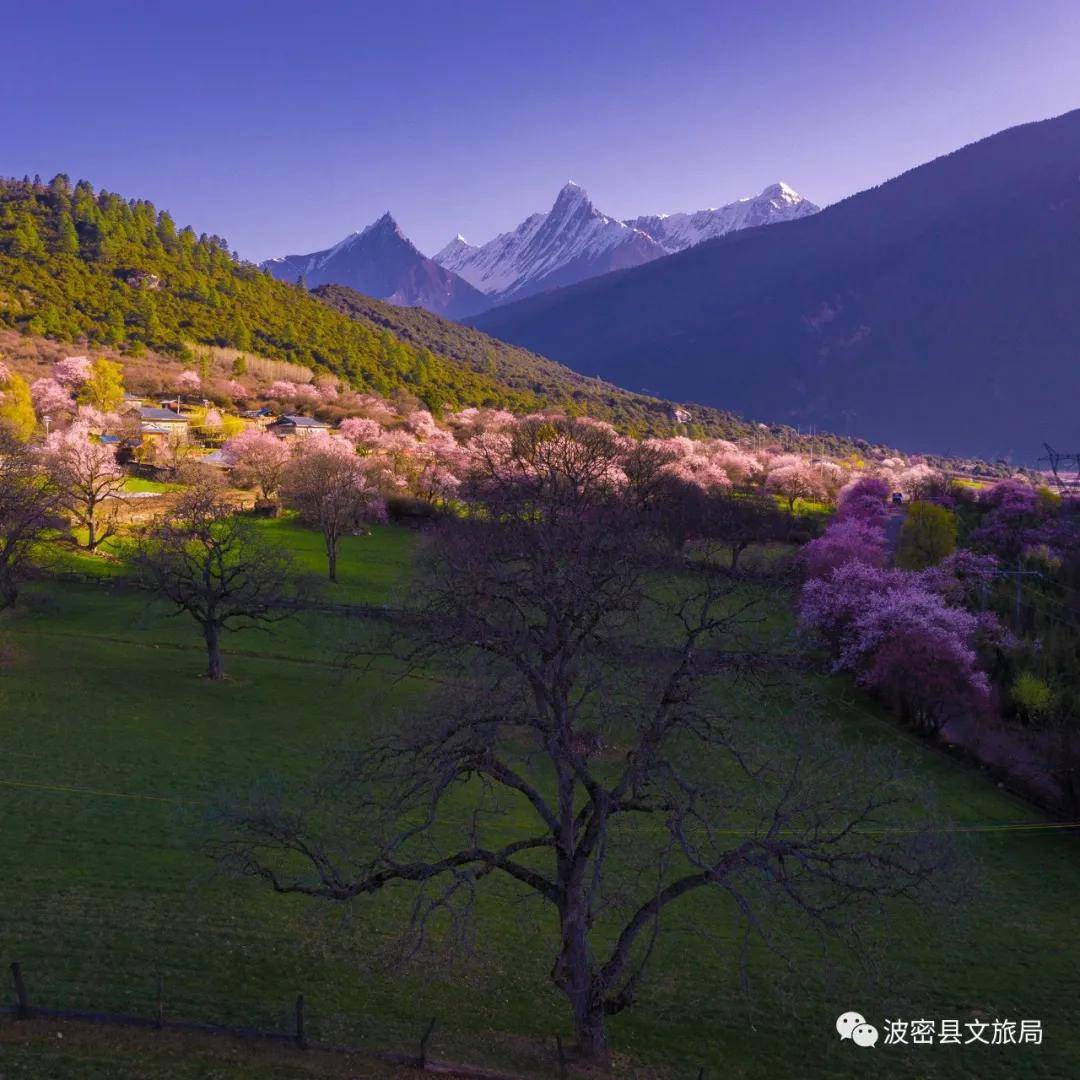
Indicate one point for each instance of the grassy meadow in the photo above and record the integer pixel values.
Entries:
(112, 746)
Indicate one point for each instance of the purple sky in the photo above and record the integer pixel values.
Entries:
(283, 126)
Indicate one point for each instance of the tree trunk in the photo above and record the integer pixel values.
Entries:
(9, 591)
(591, 1035)
(331, 558)
(575, 977)
(212, 633)
(736, 551)
(91, 532)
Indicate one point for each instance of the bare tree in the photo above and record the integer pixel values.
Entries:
(28, 505)
(218, 568)
(739, 521)
(585, 659)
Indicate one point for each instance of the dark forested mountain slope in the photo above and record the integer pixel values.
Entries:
(525, 372)
(938, 311)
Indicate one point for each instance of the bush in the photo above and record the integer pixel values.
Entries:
(1031, 696)
(927, 536)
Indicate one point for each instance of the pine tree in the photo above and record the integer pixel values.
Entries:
(242, 336)
(26, 240)
(166, 231)
(67, 240)
(115, 329)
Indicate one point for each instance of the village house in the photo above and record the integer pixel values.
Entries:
(297, 427)
(156, 422)
(262, 417)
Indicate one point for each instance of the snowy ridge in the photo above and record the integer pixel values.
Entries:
(571, 242)
(676, 232)
(575, 241)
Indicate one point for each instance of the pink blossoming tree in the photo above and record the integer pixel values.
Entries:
(72, 371)
(89, 480)
(259, 460)
(326, 483)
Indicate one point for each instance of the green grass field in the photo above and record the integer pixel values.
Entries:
(112, 746)
(141, 485)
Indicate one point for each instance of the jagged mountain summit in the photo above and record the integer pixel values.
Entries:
(576, 241)
(938, 309)
(381, 261)
(570, 243)
(677, 232)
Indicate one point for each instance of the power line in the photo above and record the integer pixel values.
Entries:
(1011, 826)
(94, 791)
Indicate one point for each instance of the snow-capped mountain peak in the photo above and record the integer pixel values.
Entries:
(782, 190)
(569, 243)
(676, 232)
(574, 240)
(381, 261)
(453, 250)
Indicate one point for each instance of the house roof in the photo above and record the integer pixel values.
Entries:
(302, 421)
(148, 412)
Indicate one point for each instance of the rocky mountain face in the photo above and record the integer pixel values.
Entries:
(381, 262)
(575, 241)
(571, 242)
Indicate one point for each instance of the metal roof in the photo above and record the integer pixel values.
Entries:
(301, 421)
(147, 412)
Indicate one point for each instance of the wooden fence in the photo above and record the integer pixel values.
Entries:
(26, 1009)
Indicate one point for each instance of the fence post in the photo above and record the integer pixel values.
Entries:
(301, 1037)
(562, 1057)
(160, 1022)
(424, 1042)
(23, 1011)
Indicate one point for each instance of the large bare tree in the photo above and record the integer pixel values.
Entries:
(217, 567)
(589, 665)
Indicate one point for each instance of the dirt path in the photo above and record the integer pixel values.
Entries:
(894, 522)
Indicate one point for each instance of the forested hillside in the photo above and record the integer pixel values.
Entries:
(78, 263)
(75, 263)
(527, 372)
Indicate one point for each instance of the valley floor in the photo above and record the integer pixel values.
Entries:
(113, 748)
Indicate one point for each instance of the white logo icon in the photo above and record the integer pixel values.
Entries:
(853, 1025)
(865, 1035)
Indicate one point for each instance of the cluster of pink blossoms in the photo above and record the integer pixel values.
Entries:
(902, 633)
